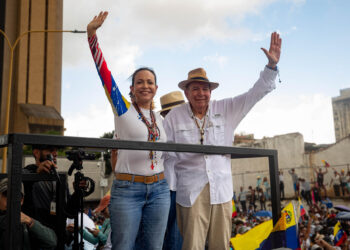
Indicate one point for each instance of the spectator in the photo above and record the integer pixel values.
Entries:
(252, 198)
(336, 183)
(258, 183)
(305, 186)
(343, 181)
(262, 199)
(34, 234)
(267, 188)
(242, 197)
(295, 182)
(320, 179)
(96, 236)
(281, 184)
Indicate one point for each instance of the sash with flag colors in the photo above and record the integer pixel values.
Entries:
(119, 104)
(339, 234)
(234, 210)
(253, 238)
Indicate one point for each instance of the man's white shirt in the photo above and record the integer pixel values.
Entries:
(191, 172)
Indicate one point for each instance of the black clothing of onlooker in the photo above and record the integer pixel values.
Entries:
(282, 189)
(320, 179)
(40, 196)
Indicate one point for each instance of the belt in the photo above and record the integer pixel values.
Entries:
(140, 178)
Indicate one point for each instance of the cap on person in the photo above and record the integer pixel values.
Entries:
(197, 75)
(171, 100)
(3, 186)
(103, 204)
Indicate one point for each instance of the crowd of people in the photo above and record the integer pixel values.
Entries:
(316, 227)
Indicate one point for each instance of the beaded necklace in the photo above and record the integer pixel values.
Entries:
(153, 131)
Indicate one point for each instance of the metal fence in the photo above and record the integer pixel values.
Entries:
(15, 143)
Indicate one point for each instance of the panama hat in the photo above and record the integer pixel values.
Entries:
(197, 75)
(171, 100)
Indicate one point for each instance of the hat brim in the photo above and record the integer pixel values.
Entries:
(212, 85)
(171, 107)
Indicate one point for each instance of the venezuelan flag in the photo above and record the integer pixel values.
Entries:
(339, 234)
(277, 238)
(302, 209)
(326, 164)
(292, 218)
(234, 210)
(252, 239)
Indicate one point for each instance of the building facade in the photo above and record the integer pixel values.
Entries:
(35, 94)
(341, 114)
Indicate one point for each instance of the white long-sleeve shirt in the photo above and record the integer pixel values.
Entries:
(193, 171)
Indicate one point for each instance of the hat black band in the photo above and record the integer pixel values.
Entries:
(199, 78)
(172, 104)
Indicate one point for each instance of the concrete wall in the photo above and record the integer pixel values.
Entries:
(290, 155)
(337, 155)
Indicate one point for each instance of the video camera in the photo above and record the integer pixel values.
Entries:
(77, 156)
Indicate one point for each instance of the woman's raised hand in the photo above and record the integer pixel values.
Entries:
(96, 23)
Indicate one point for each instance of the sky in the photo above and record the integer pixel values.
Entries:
(222, 36)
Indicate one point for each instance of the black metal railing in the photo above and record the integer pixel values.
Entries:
(15, 143)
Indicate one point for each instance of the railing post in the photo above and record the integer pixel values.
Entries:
(275, 188)
(61, 191)
(14, 170)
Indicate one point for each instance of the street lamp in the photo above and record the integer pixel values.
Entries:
(12, 48)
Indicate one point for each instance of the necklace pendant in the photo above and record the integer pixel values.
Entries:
(202, 137)
(152, 166)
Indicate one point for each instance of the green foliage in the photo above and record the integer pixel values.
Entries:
(108, 135)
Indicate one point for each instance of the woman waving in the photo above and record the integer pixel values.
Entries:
(140, 194)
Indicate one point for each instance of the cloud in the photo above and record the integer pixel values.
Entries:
(93, 123)
(311, 115)
(217, 59)
(135, 25)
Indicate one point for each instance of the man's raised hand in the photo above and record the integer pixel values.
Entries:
(96, 23)
(273, 54)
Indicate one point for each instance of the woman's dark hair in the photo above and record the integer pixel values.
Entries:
(140, 69)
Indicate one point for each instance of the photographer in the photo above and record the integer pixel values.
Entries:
(40, 196)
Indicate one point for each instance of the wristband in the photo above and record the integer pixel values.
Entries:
(275, 68)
